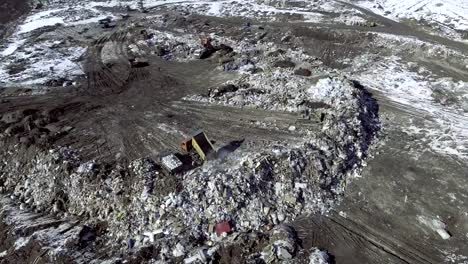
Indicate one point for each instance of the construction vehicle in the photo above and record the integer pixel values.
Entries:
(200, 143)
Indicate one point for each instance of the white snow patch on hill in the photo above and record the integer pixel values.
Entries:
(42, 61)
(41, 19)
(451, 13)
(12, 47)
(446, 129)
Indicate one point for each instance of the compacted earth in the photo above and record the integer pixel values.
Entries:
(338, 133)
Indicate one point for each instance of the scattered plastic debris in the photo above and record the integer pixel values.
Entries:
(436, 225)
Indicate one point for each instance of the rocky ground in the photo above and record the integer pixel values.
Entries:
(300, 99)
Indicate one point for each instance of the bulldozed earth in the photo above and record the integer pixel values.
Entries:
(307, 141)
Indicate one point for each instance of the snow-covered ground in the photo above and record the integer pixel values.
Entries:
(415, 88)
(447, 15)
(45, 60)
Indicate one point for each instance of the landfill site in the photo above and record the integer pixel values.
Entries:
(256, 131)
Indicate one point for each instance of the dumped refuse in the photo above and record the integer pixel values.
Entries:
(223, 228)
(208, 48)
(318, 256)
(107, 23)
(303, 72)
(283, 244)
(172, 163)
(284, 64)
(105, 20)
(223, 89)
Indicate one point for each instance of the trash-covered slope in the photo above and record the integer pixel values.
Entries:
(252, 189)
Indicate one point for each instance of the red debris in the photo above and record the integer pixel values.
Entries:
(223, 227)
(206, 42)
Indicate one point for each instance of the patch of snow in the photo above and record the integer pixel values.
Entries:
(41, 63)
(244, 8)
(350, 20)
(12, 47)
(36, 24)
(324, 89)
(215, 8)
(318, 257)
(70, 13)
(44, 60)
(452, 14)
(21, 242)
(170, 129)
(41, 19)
(448, 128)
(435, 225)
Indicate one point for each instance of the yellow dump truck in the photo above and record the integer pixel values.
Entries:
(200, 143)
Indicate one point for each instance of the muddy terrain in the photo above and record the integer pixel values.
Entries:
(10, 10)
(336, 138)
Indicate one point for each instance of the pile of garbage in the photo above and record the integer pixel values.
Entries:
(319, 257)
(282, 246)
(190, 216)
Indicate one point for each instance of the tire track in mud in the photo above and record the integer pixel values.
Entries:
(351, 242)
(160, 87)
(102, 79)
(123, 95)
(244, 119)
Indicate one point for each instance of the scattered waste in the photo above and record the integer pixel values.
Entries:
(171, 163)
(436, 225)
(318, 256)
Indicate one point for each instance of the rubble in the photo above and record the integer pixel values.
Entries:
(171, 163)
(318, 256)
(228, 88)
(283, 245)
(284, 64)
(189, 215)
(303, 72)
(253, 190)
